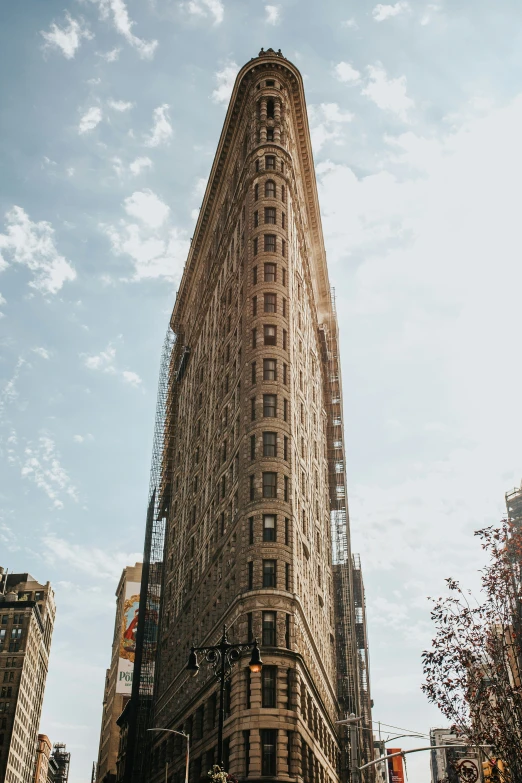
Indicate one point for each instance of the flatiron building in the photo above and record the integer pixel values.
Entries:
(247, 520)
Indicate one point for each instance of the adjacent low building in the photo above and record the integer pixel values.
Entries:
(43, 753)
(27, 612)
(118, 680)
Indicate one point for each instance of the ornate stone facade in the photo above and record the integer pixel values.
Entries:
(248, 536)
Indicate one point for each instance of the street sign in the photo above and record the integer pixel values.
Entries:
(468, 770)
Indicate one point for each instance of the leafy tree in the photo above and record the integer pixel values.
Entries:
(473, 671)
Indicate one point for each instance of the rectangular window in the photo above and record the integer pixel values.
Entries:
(269, 405)
(270, 485)
(254, 275)
(269, 686)
(283, 248)
(269, 369)
(287, 580)
(253, 409)
(285, 448)
(284, 307)
(284, 277)
(269, 573)
(247, 687)
(253, 372)
(270, 243)
(250, 627)
(283, 193)
(252, 447)
(254, 338)
(270, 303)
(254, 305)
(269, 527)
(270, 162)
(269, 629)
(285, 339)
(269, 134)
(270, 273)
(256, 219)
(270, 334)
(251, 575)
(270, 215)
(285, 370)
(256, 187)
(268, 751)
(286, 489)
(251, 530)
(285, 410)
(246, 743)
(287, 531)
(269, 444)
(255, 246)
(252, 492)
(283, 220)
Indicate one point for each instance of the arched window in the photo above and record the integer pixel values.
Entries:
(270, 109)
(270, 189)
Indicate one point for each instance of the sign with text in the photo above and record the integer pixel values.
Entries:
(128, 629)
(395, 767)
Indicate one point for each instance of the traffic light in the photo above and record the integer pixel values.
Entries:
(493, 771)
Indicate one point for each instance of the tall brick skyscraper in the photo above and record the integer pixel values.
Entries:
(250, 487)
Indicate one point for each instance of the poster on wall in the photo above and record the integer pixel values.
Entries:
(129, 627)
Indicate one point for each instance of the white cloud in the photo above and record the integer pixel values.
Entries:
(70, 171)
(67, 39)
(225, 82)
(345, 72)
(147, 207)
(105, 362)
(350, 23)
(162, 129)
(382, 12)
(90, 120)
(116, 10)
(139, 165)
(157, 248)
(204, 8)
(273, 14)
(111, 56)
(3, 301)
(388, 94)
(41, 464)
(132, 378)
(429, 12)
(327, 123)
(88, 560)
(117, 165)
(83, 438)
(120, 106)
(43, 352)
(200, 187)
(32, 244)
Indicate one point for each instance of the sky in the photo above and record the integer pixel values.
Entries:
(110, 115)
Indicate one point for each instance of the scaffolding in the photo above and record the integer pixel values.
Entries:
(346, 648)
(514, 505)
(145, 669)
(59, 762)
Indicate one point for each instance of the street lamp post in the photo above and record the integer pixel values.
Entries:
(187, 756)
(222, 657)
(354, 745)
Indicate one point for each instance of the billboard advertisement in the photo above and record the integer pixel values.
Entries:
(395, 767)
(127, 637)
